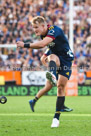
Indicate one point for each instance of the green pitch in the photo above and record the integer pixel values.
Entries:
(16, 118)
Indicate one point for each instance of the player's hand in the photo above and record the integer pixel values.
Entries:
(20, 44)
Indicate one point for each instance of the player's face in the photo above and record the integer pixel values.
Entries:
(38, 29)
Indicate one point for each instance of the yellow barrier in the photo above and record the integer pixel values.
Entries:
(2, 80)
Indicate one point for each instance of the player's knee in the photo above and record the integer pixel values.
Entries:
(60, 88)
(60, 85)
(52, 57)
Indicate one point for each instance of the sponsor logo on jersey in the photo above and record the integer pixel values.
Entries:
(70, 53)
(51, 32)
(67, 73)
(52, 44)
(51, 27)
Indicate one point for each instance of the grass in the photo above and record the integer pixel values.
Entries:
(16, 118)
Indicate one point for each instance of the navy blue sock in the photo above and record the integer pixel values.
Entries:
(63, 104)
(59, 105)
(35, 99)
(52, 67)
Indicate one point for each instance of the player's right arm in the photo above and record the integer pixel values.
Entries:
(36, 45)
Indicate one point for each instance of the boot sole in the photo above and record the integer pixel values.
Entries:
(49, 77)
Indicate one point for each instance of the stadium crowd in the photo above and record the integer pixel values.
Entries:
(15, 18)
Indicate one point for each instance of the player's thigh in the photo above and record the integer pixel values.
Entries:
(54, 58)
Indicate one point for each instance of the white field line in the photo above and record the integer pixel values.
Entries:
(47, 120)
(43, 114)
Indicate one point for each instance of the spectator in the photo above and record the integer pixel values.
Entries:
(15, 17)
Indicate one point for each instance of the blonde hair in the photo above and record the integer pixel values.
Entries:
(38, 20)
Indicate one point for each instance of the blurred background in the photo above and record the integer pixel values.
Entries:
(21, 71)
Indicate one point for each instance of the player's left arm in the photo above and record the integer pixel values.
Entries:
(36, 45)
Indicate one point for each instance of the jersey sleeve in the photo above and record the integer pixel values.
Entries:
(52, 33)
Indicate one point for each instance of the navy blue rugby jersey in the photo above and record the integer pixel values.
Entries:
(59, 45)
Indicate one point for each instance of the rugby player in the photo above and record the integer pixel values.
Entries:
(60, 59)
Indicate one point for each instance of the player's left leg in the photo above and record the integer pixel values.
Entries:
(62, 81)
